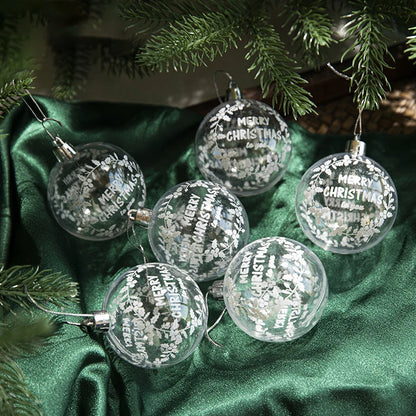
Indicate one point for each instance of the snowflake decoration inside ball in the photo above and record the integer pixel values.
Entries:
(157, 314)
(245, 145)
(90, 194)
(198, 226)
(275, 289)
(346, 203)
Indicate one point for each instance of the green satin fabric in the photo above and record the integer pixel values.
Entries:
(358, 360)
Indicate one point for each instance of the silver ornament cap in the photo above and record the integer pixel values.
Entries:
(100, 321)
(356, 147)
(63, 150)
(233, 92)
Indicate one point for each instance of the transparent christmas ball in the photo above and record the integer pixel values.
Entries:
(275, 289)
(91, 193)
(346, 203)
(243, 144)
(157, 314)
(198, 226)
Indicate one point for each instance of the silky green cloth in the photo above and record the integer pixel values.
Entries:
(358, 360)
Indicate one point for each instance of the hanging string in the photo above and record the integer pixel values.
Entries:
(215, 291)
(78, 315)
(230, 78)
(63, 150)
(208, 330)
(358, 128)
(132, 237)
(43, 117)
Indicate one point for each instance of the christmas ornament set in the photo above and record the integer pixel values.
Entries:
(275, 289)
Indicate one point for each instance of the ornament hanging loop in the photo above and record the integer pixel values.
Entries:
(63, 150)
(216, 292)
(357, 147)
(99, 320)
(132, 236)
(358, 128)
(233, 91)
(45, 120)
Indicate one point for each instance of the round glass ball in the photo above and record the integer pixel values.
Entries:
(346, 203)
(198, 226)
(91, 193)
(244, 145)
(157, 314)
(275, 289)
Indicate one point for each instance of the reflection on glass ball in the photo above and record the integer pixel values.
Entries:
(275, 289)
(346, 203)
(157, 314)
(245, 145)
(91, 194)
(198, 226)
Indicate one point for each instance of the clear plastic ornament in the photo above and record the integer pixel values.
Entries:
(91, 192)
(346, 202)
(244, 145)
(198, 226)
(154, 315)
(157, 315)
(275, 289)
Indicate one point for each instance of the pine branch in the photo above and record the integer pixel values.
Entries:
(273, 66)
(192, 41)
(397, 9)
(15, 397)
(310, 26)
(20, 336)
(366, 26)
(411, 44)
(117, 57)
(12, 90)
(10, 38)
(72, 63)
(148, 16)
(15, 78)
(94, 9)
(43, 286)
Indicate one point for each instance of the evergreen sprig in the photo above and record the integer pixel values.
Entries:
(411, 43)
(311, 26)
(95, 9)
(117, 57)
(16, 70)
(72, 63)
(366, 27)
(274, 66)
(148, 16)
(10, 37)
(43, 286)
(195, 39)
(190, 42)
(12, 90)
(19, 335)
(15, 397)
